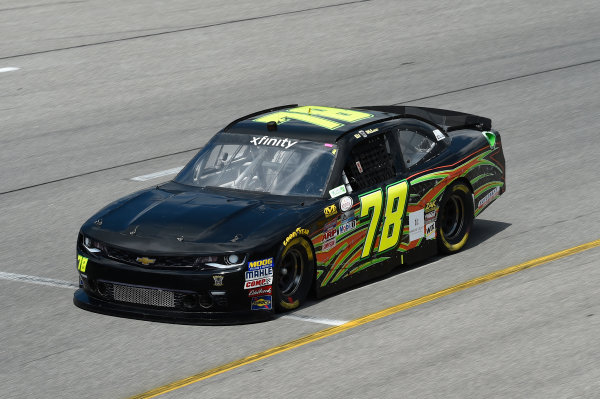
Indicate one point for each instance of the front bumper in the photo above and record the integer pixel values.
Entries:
(175, 296)
(84, 301)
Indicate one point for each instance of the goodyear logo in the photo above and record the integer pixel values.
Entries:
(262, 303)
(295, 234)
(330, 210)
(260, 264)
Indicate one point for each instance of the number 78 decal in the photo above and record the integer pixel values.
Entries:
(395, 207)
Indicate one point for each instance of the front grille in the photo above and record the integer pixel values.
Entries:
(141, 295)
(125, 256)
(156, 297)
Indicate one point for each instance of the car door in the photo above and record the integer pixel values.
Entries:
(359, 242)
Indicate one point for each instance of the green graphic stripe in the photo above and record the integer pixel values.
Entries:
(476, 179)
(335, 267)
(369, 264)
(487, 186)
(351, 253)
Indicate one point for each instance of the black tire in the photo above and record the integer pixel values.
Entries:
(455, 218)
(293, 274)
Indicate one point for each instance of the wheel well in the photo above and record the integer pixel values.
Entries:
(467, 183)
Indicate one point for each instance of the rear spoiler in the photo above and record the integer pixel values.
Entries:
(447, 120)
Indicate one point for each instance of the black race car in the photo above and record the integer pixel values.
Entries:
(289, 201)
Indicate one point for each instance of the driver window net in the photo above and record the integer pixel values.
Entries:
(370, 163)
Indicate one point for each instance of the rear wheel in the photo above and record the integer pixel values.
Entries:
(293, 275)
(455, 218)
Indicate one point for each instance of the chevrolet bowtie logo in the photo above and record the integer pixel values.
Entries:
(145, 261)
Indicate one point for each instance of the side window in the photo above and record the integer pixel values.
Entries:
(414, 145)
(370, 163)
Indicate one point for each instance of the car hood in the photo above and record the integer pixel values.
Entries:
(194, 221)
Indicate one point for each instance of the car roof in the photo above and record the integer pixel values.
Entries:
(308, 122)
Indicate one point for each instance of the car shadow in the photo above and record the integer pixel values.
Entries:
(481, 231)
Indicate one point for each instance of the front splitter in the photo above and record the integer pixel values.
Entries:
(82, 300)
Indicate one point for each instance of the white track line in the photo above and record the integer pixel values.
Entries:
(37, 280)
(24, 278)
(9, 69)
(158, 174)
(318, 320)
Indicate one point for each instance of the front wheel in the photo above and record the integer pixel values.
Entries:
(293, 275)
(455, 218)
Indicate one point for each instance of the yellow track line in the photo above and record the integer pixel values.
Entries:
(363, 320)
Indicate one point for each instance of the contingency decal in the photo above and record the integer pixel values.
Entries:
(416, 222)
(326, 117)
(346, 203)
(337, 191)
(439, 136)
(259, 274)
(81, 263)
(260, 291)
(330, 210)
(261, 303)
(430, 231)
(488, 198)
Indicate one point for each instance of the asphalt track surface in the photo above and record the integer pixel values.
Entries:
(110, 90)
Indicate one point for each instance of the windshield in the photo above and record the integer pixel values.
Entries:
(275, 165)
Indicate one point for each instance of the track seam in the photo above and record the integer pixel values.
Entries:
(182, 29)
(501, 81)
(403, 102)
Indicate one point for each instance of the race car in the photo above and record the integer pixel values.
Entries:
(290, 202)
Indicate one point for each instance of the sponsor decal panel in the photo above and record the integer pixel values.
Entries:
(430, 207)
(337, 191)
(262, 303)
(261, 282)
(260, 264)
(327, 245)
(329, 234)
(346, 203)
(416, 223)
(330, 210)
(438, 135)
(430, 231)
(261, 291)
(488, 198)
(259, 274)
(431, 217)
(347, 226)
